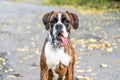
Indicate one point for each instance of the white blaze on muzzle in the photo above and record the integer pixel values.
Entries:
(64, 34)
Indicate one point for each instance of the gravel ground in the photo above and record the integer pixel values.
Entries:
(96, 42)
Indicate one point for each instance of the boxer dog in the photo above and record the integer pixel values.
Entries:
(58, 56)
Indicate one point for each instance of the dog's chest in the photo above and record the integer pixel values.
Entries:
(54, 56)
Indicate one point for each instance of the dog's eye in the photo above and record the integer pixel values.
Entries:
(53, 21)
(66, 22)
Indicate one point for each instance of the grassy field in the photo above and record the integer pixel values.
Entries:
(87, 4)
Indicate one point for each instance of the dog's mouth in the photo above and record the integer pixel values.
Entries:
(60, 37)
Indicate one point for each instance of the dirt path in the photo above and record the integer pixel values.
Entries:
(96, 42)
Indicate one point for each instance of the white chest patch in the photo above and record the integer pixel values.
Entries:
(55, 55)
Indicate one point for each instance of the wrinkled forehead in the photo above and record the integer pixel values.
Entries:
(59, 15)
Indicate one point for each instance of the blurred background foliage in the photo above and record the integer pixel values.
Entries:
(87, 4)
(80, 4)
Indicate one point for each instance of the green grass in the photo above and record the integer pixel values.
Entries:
(87, 4)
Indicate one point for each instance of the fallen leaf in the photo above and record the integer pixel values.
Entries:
(80, 71)
(33, 67)
(109, 49)
(37, 51)
(104, 33)
(98, 45)
(92, 46)
(39, 25)
(107, 43)
(92, 40)
(87, 78)
(102, 45)
(81, 49)
(14, 75)
(77, 66)
(89, 70)
(103, 65)
(22, 49)
(93, 74)
(74, 41)
(1, 67)
(33, 44)
(2, 59)
(17, 75)
(20, 62)
(79, 57)
(8, 53)
(117, 61)
(9, 70)
(77, 62)
(80, 77)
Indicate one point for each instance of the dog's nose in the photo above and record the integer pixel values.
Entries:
(59, 26)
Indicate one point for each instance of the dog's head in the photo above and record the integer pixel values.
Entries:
(59, 26)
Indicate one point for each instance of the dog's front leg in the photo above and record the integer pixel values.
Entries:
(44, 75)
(70, 73)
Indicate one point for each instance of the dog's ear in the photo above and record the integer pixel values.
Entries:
(74, 20)
(46, 19)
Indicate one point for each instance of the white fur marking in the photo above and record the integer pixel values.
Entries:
(54, 56)
(59, 17)
(65, 33)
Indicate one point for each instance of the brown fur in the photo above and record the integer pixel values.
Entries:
(61, 69)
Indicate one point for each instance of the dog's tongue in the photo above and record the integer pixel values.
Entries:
(64, 40)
